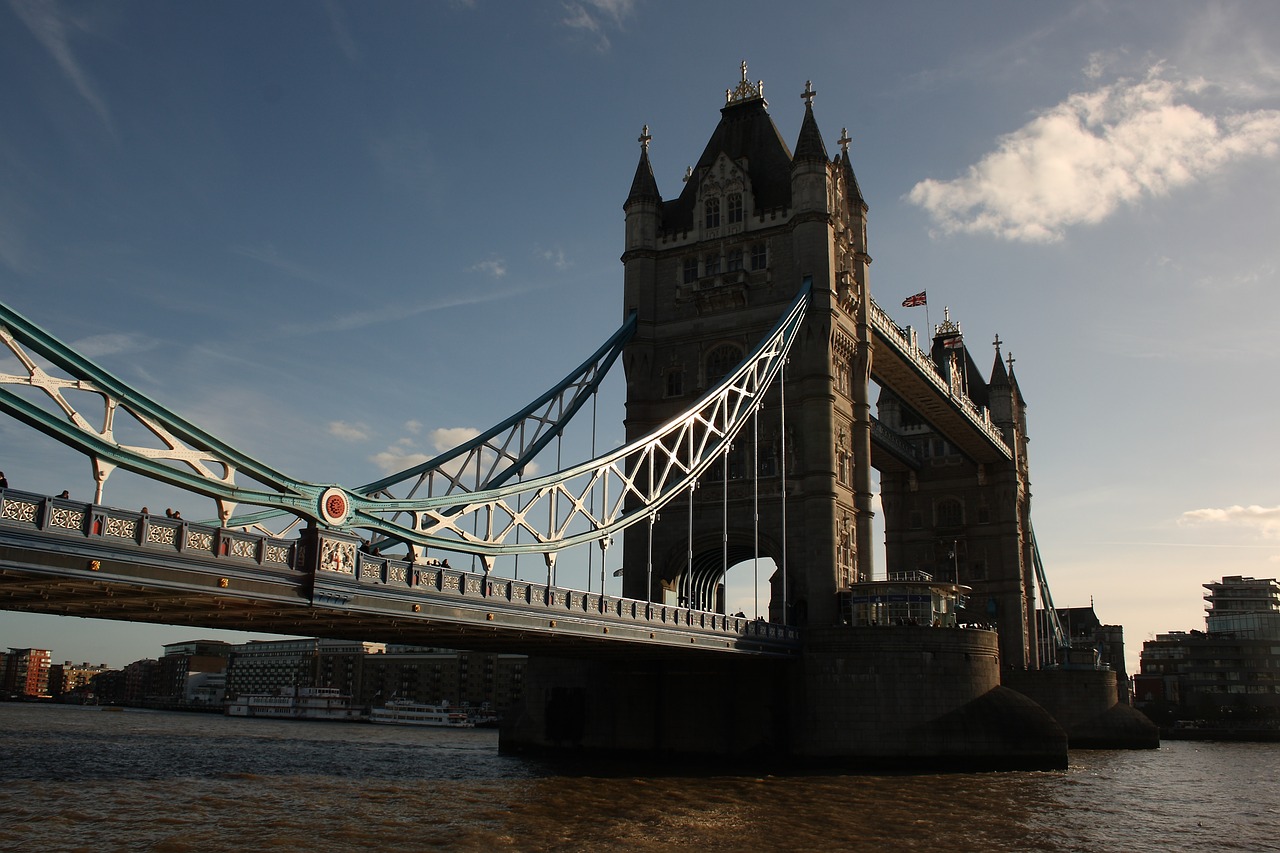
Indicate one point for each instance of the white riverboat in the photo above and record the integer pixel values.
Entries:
(295, 703)
(399, 712)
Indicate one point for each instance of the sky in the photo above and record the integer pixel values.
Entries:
(345, 236)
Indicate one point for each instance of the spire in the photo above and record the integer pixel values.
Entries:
(853, 191)
(998, 375)
(643, 185)
(809, 146)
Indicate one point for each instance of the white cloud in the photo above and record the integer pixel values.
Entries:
(395, 459)
(413, 427)
(495, 267)
(1265, 520)
(341, 33)
(269, 255)
(556, 258)
(593, 17)
(348, 432)
(49, 28)
(98, 346)
(1079, 161)
(449, 438)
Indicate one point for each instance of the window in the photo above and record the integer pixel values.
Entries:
(690, 270)
(721, 360)
(733, 260)
(950, 513)
(735, 208)
(759, 256)
(711, 265)
(675, 383)
(712, 209)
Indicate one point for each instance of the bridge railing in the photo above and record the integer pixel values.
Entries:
(67, 517)
(980, 417)
(137, 531)
(371, 570)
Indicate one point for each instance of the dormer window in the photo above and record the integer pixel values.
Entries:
(712, 209)
(735, 208)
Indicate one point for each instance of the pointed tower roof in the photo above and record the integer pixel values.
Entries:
(644, 185)
(809, 144)
(745, 133)
(999, 378)
(854, 192)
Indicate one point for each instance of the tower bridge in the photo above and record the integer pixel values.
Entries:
(750, 343)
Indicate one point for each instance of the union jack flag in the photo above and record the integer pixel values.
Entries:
(915, 301)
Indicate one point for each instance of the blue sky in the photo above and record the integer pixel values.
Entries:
(341, 235)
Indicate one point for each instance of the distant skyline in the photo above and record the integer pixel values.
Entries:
(343, 236)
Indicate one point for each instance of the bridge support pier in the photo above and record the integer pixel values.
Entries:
(1085, 703)
(900, 697)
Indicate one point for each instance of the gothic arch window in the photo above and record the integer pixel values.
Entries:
(735, 208)
(675, 382)
(720, 361)
(733, 259)
(949, 513)
(690, 269)
(711, 207)
(711, 265)
(759, 256)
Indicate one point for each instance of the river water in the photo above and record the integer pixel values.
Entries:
(75, 779)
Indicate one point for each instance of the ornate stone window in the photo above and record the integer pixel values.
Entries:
(675, 382)
(735, 208)
(711, 207)
(690, 270)
(949, 513)
(711, 265)
(733, 259)
(720, 361)
(759, 256)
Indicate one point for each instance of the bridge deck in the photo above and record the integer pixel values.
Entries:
(64, 557)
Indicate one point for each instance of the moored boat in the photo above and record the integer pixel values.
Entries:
(295, 703)
(404, 713)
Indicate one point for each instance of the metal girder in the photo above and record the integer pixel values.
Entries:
(556, 511)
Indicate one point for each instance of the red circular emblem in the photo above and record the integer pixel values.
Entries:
(336, 506)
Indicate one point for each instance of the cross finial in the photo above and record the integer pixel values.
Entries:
(997, 342)
(1011, 360)
(844, 140)
(808, 93)
(644, 139)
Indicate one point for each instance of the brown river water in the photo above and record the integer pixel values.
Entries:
(76, 779)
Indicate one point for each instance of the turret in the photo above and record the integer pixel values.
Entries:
(810, 172)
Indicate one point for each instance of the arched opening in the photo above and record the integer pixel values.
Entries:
(744, 587)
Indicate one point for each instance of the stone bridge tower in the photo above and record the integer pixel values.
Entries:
(709, 273)
(963, 521)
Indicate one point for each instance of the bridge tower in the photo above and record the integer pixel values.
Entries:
(961, 520)
(708, 273)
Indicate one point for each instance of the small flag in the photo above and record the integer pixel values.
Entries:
(915, 301)
(953, 342)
